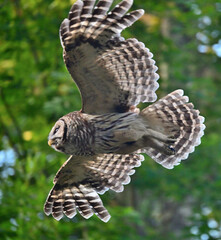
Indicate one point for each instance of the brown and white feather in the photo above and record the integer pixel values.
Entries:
(175, 116)
(100, 60)
(113, 75)
(80, 179)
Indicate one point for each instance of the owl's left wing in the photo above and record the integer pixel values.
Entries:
(113, 74)
(81, 178)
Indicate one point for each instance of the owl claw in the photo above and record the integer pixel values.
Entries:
(171, 150)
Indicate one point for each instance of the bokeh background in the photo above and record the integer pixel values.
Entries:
(36, 89)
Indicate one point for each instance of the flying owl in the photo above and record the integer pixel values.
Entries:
(105, 138)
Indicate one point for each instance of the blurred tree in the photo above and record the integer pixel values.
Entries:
(36, 89)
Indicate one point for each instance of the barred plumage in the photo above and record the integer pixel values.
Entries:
(124, 67)
(80, 179)
(178, 117)
(105, 138)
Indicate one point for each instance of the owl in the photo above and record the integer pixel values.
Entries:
(106, 137)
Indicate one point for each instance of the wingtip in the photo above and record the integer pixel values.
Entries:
(48, 208)
(127, 180)
(70, 215)
(57, 217)
(87, 216)
(47, 212)
(141, 11)
(106, 219)
(180, 92)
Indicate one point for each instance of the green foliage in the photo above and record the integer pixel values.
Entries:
(36, 89)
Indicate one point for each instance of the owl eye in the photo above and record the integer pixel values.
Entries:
(56, 129)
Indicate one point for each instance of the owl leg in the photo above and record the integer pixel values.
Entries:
(126, 136)
(129, 141)
(162, 144)
(160, 136)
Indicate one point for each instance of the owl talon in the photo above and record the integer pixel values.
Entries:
(170, 150)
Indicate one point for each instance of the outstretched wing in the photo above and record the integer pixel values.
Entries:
(112, 74)
(80, 179)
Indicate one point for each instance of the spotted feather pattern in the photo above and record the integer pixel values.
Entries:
(80, 179)
(183, 121)
(98, 58)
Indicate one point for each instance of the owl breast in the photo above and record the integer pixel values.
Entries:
(117, 132)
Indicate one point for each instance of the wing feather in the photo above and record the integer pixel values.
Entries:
(112, 74)
(80, 179)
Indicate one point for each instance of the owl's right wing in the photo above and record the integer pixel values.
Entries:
(81, 178)
(112, 74)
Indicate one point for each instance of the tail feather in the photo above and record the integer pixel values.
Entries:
(177, 119)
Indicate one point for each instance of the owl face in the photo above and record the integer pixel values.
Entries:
(70, 135)
(58, 135)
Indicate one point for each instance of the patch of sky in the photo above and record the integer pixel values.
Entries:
(204, 21)
(215, 233)
(202, 37)
(217, 48)
(194, 230)
(203, 48)
(218, 6)
(195, 8)
(7, 162)
(206, 211)
(204, 236)
(212, 223)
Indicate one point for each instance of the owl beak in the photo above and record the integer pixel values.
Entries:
(50, 142)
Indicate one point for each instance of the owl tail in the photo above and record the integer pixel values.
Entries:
(175, 129)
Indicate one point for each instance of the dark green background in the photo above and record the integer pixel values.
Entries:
(36, 89)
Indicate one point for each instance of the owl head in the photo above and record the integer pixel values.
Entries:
(57, 136)
(69, 135)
